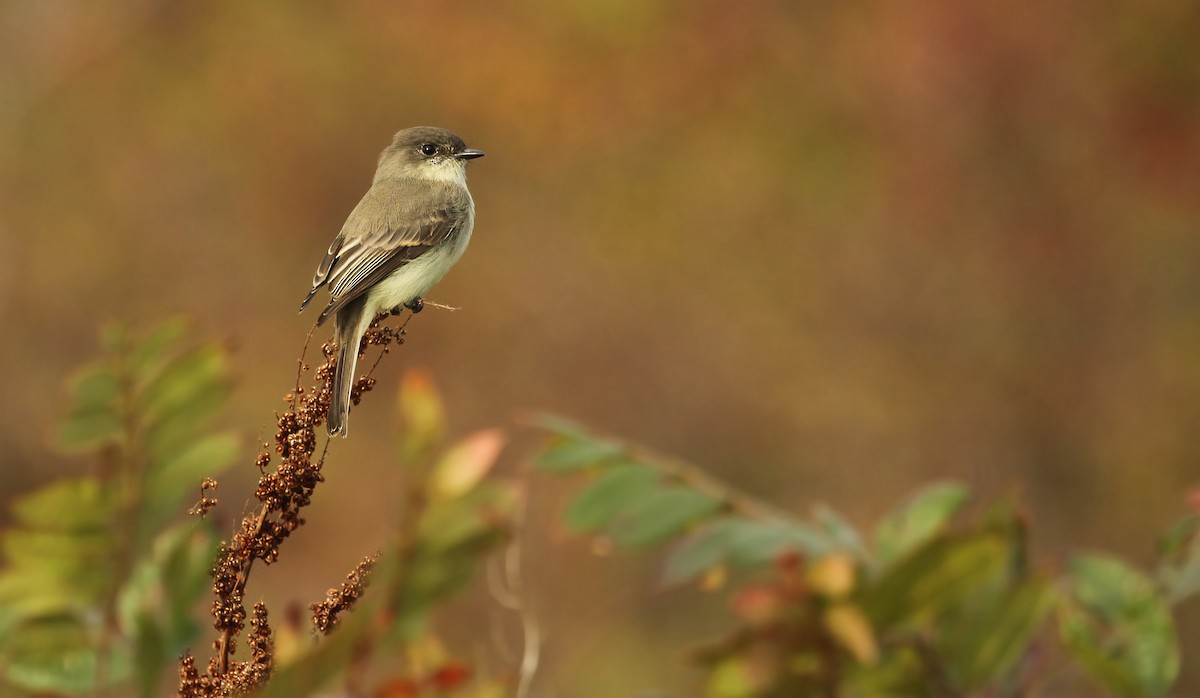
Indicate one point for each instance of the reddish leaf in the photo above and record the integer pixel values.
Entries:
(465, 464)
(759, 605)
(398, 688)
(450, 676)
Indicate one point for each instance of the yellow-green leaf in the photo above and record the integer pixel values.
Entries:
(850, 627)
(918, 520)
(84, 431)
(422, 417)
(74, 504)
(174, 483)
(94, 388)
(149, 352)
(1119, 627)
(188, 388)
(935, 577)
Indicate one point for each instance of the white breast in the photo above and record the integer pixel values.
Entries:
(418, 276)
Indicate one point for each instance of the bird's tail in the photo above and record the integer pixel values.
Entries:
(351, 324)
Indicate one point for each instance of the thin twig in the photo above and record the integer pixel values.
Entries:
(701, 481)
(509, 593)
(283, 492)
(300, 365)
(226, 643)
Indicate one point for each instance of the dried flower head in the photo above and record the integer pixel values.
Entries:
(282, 492)
(325, 613)
(201, 507)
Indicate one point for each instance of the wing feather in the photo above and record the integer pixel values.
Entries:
(383, 233)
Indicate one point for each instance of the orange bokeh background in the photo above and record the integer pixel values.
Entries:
(829, 251)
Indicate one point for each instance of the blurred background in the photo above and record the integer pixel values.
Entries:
(829, 251)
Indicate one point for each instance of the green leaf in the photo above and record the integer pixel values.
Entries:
(659, 516)
(29, 595)
(1086, 644)
(155, 604)
(51, 654)
(422, 416)
(611, 493)
(563, 427)
(72, 555)
(563, 455)
(1180, 536)
(935, 578)
(147, 356)
(171, 432)
(1179, 571)
(453, 537)
(75, 504)
(63, 565)
(188, 387)
(85, 431)
(754, 543)
(1183, 579)
(141, 590)
(168, 437)
(985, 644)
(95, 388)
(170, 484)
(706, 548)
(185, 555)
(433, 577)
(151, 654)
(918, 520)
(468, 521)
(737, 677)
(1119, 627)
(840, 531)
(174, 573)
(742, 543)
(54, 655)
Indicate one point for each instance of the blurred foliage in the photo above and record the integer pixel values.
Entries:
(935, 601)
(943, 597)
(451, 516)
(100, 576)
(832, 250)
(101, 580)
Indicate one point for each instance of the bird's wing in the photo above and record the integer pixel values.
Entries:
(382, 234)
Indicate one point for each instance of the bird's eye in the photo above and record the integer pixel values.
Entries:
(429, 149)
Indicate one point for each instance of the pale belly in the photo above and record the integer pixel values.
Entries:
(418, 276)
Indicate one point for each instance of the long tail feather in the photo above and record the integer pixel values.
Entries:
(350, 327)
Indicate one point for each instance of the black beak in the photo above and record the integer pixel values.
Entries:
(469, 154)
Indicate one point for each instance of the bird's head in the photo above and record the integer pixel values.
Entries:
(427, 152)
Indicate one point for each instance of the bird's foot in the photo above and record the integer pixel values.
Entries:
(416, 305)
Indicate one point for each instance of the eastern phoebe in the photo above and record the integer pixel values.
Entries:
(409, 229)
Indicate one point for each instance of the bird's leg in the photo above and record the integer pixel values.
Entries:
(416, 305)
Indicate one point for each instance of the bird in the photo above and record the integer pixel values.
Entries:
(410, 227)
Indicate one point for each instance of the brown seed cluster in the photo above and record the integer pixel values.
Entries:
(193, 684)
(283, 492)
(201, 507)
(260, 641)
(325, 613)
